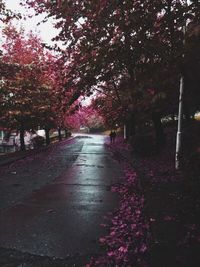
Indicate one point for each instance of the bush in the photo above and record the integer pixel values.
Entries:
(143, 144)
(192, 170)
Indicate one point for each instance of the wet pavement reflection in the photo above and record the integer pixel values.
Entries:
(63, 217)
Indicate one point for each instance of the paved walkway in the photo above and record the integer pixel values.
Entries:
(62, 217)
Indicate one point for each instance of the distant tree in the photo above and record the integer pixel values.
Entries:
(86, 116)
(191, 70)
(25, 96)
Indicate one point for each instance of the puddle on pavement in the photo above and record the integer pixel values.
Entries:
(89, 165)
(94, 144)
(83, 136)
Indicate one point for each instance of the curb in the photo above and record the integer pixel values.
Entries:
(9, 158)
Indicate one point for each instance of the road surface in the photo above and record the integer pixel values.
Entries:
(53, 203)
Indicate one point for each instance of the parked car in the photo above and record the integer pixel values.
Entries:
(9, 139)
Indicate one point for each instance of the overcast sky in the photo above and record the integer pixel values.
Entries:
(46, 31)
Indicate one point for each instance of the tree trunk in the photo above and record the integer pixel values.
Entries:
(66, 133)
(130, 126)
(22, 143)
(59, 134)
(127, 131)
(186, 112)
(47, 136)
(160, 137)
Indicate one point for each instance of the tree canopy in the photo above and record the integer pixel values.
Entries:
(133, 46)
(129, 52)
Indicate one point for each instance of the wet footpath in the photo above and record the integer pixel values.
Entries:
(52, 203)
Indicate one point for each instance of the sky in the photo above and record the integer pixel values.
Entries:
(46, 30)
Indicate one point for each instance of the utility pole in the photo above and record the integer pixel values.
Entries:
(125, 132)
(180, 111)
(179, 129)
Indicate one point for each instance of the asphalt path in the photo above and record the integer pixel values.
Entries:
(52, 204)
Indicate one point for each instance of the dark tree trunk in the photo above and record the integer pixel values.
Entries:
(22, 143)
(127, 131)
(47, 136)
(59, 134)
(66, 133)
(130, 126)
(160, 137)
(186, 112)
